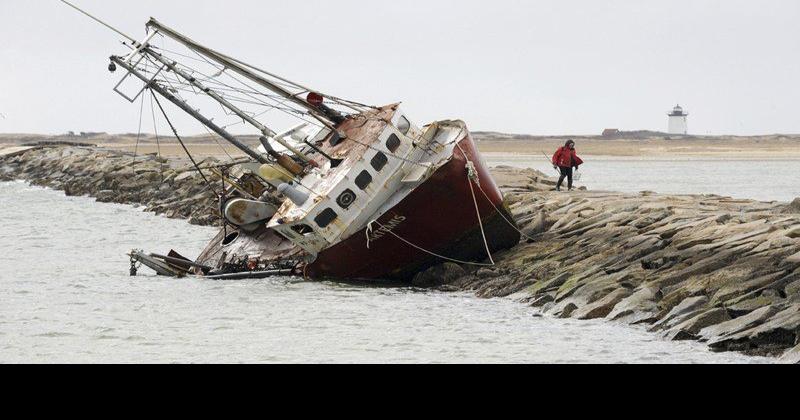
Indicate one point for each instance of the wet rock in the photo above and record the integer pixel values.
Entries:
(792, 291)
(690, 328)
(717, 332)
(540, 224)
(793, 207)
(567, 311)
(744, 307)
(677, 314)
(440, 275)
(486, 273)
(105, 196)
(779, 331)
(552, 283)
(638, 307)
(738, 289)
(792, 356)
(111, 176)
(184, 176)
(725, 218)
(602, 307)
(542, 300)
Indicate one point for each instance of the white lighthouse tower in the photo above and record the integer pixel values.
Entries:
(678, 121)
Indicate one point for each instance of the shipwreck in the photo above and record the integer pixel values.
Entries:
(348, 191)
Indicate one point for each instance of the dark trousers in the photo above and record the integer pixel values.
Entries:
(565, 173)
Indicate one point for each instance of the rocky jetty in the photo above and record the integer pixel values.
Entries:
(722, 271)
(113, 176)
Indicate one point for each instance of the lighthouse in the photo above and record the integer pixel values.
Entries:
(678, 121)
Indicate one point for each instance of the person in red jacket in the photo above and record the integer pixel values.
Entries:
(565, 159)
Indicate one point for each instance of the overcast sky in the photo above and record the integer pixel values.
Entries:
(541, 67)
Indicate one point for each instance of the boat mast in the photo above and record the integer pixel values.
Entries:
(267, 132)
(151, 84)
(323, 115)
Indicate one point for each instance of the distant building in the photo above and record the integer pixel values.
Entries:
(91, 134)
(678, 121)
(611, 132)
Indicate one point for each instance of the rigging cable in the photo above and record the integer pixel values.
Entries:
(281, 103)
(281, 106)
(138, 134)
(174, 131)
(158, 140)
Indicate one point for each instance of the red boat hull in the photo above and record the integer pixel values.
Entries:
(438, 216)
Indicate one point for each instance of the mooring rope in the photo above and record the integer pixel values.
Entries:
(369, 229)
(472, 177)
(510, 223)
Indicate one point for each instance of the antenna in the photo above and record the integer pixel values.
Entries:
(98, 20)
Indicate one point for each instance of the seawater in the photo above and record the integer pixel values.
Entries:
(766, 180)
(65, 296)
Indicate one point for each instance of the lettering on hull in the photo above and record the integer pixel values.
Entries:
(387, 228)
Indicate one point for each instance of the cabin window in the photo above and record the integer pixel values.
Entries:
(393, 143)
(346, 199)
(363, 180)
(230, 239)
(379, 161)
(403, 125)
(302, 229)
(326, 218)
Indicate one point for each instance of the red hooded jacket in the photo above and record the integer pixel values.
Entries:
(567, 158)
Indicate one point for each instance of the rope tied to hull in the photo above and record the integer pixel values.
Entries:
(419, 248)
(510, 223)
(472, 177)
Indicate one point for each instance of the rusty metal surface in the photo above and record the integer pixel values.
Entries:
(361, 132)
(359, 129)
(263, 244)
(438, 216)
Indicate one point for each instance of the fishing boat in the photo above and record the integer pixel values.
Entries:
(348, 191)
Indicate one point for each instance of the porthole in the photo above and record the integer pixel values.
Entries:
(326, 218)
(346, 199)
(403, 125)
(363, 180)
(302, 229)
(230, 239)
(393, 143)
(379, 162)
